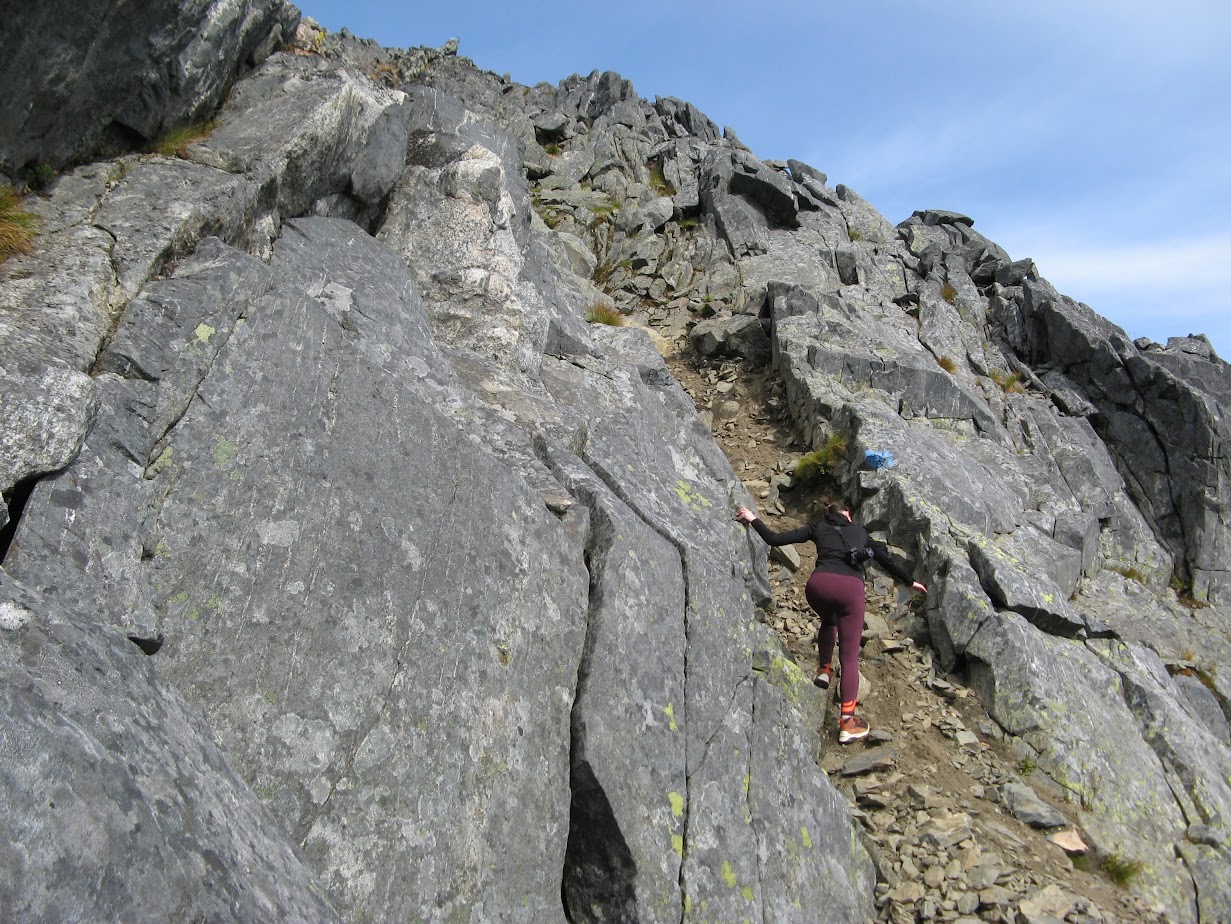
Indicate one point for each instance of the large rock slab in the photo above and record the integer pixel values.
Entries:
(1069, 707)
(115, 802)
(334, 135)
(486, 727)
(44, 416)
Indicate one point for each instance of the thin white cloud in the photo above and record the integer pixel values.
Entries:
(1184, 263)
(1158, 289)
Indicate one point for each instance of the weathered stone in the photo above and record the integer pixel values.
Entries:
(1049, 904)
(1069, 841)
(44, 416)
(786, 555)
(947, 830)
(251, 417)
(149, 71)
(871, 760)
(741, 335)
(1028, 808)
(118, 805)
(906, 892)
(1205, 704)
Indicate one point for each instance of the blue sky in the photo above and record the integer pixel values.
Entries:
(1092, 136)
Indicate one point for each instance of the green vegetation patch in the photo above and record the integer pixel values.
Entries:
(600, 313)
(176, 143)
(659, 182)
(821, 462)
(17, 226)
(1009, 383)
(1121, 869)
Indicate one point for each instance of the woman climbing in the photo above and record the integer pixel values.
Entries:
(835, 592)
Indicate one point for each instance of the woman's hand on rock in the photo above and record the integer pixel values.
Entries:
(744, 515)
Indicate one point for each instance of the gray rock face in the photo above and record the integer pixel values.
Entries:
(453, 574)
(332, 486)
(146, 73)
(1162, 415)
(115, 802)
(1020, 515)
(742, 335)
(1028, 808)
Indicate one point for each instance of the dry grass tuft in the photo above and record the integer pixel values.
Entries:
(17, 226)
(176, 143)
(600, 313)
(1010, 383)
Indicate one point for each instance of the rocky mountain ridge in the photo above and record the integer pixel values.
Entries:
(314, 413)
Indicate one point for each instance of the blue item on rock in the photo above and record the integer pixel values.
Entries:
(877, 459)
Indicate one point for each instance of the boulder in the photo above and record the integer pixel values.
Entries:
(1028, 808)
(741, 335)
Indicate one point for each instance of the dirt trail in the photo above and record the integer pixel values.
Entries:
(928, 783)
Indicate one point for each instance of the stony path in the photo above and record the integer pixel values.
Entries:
(959, 827)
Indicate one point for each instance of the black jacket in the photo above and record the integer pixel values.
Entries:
(832, 537)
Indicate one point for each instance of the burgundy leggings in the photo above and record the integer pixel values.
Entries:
(839, 600)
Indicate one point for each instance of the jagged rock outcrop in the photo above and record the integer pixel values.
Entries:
(315, 413)
(85, 79)
(451, 573)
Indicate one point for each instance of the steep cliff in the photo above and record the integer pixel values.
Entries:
(314, 414)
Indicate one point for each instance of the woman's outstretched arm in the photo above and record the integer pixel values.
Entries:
(803, 534)
(881, 554)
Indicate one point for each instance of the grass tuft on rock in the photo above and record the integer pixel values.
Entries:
(1129, 572)
(1121, 869)
(947, 364)
(176, 143)
(17, 226)
(659, 182)
(1010, 383)
(600, 313)
(819, 463)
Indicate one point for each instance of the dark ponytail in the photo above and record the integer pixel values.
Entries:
(837, 509)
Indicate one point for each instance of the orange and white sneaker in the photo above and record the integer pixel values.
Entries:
(822, 677)
(851, 728)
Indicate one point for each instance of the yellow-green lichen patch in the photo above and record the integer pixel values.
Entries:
(669, 712)
(805, 837)
(728, 874)
(690, 495)
(180, 598)
(203, 332)
(677, 804)
(677, 844)
(749, 893)
(163, 462)
(224, 451)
